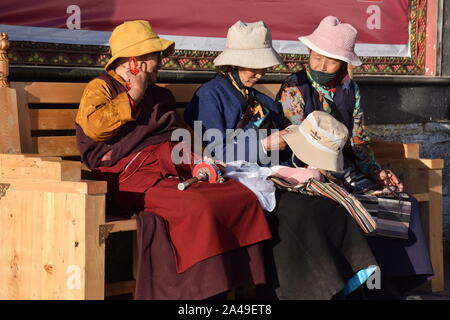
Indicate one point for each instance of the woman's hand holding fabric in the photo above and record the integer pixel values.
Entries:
(389, 180)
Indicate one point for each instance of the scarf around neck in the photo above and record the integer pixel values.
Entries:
(253, 106)
(326, 91)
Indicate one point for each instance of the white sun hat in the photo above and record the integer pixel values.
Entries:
(318, 141)
(249, 45)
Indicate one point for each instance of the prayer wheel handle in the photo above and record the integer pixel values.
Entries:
(200, 177)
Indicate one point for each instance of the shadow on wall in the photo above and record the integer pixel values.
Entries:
(410, 114)
(386, 103)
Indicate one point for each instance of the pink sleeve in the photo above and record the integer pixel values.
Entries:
(298, 175)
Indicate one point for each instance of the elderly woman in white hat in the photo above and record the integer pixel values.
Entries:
(309, 232)
(241, 65)
(325, 85)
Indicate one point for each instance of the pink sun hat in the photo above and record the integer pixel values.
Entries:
(334, 39)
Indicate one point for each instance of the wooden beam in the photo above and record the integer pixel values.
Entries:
(183, 92)
(135, 256)
(122, 225)
(421, 197)
(51, 92)
(19, 166)
(270, 89)
(384, 149)
(413, 163)
(83, 186)
(53, 119)
(57, 146)
(10, 128)
(435, 230)
(119, 288)
(95, 253)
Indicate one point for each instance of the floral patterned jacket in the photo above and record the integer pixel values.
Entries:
(293, 104)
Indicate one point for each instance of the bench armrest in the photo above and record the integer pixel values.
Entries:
(412, 163)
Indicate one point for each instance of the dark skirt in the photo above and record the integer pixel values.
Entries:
(317, 247)
(407, 262)
(158, 277)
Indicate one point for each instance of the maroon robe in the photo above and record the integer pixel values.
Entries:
(214, 231)
(203, 221)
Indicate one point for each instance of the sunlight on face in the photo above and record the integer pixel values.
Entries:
(150, 63)
(249, 77)
(322, 63)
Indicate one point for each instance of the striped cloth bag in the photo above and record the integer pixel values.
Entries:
(378, 213)
(391, 211)
(331, 190)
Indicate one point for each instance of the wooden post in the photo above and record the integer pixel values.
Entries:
(4, 63)
(15, 134)
(49, 239)
(434, 227)
(135, 258)
(9, 130)
(431, 217)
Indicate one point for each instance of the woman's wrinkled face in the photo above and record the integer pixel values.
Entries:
(249, 77)
(150, 64)
(324, 64)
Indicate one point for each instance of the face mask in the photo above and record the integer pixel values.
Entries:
(322, 77)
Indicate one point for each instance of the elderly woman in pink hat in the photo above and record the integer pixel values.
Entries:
(325, 85)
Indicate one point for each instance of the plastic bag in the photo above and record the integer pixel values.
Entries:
(254, 177)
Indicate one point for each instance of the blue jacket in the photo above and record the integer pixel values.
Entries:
(220, 106)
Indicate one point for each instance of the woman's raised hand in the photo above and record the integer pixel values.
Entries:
(138, 83)
(275, 141)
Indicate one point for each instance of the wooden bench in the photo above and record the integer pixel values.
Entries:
(56, 220)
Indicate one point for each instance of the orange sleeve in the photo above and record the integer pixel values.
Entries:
(99, 115)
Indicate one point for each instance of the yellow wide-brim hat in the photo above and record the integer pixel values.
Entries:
(136, 38)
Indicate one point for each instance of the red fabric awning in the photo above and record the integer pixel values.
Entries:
(379, 22)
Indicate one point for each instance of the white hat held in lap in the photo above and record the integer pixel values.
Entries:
(318, 141)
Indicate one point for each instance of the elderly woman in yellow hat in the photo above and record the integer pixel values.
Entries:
(193, 244)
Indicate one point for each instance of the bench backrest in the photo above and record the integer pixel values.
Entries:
(47, 113)
(48, 109)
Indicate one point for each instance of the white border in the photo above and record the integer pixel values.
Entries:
(55, 35)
